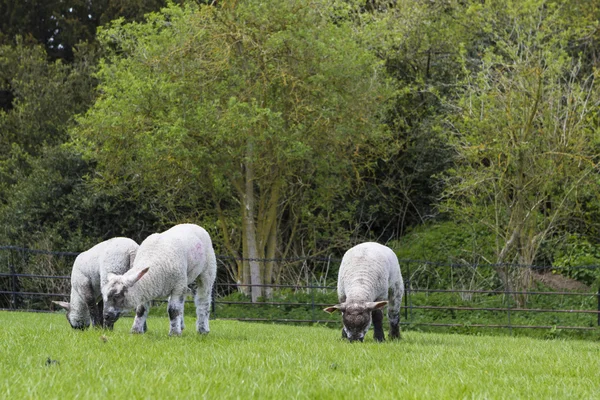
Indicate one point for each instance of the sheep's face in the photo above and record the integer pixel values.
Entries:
(356, 318)
(77, 321)
(115, 297)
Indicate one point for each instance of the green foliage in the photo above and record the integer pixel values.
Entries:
(574, 255)
(446, 242)
(42, 354)
(524, 132)
(30, 216)
(200, 104)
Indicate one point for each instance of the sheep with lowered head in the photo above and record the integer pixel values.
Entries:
(165, 264)
(90, 273)
(368, 279)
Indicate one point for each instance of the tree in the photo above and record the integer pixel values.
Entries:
(59, 25)
(240, 109)
(525, 137)
(43, 98)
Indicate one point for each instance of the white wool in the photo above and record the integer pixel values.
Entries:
(90, 271)
(368, 279)
(173, 259)
(367, 272)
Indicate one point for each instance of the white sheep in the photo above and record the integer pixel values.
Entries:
(369, 274)
(90, 273)
(165, 264)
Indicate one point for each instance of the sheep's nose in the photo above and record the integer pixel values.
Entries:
(110, 317)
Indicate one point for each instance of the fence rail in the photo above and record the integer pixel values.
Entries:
(30, 279)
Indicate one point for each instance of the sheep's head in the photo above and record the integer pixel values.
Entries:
(77, 320)
(114, 295)
(356, 317)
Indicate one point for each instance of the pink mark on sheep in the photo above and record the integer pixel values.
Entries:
(198, 250)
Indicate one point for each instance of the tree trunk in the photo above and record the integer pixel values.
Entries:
(250, 242)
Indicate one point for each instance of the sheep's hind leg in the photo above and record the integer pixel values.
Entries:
(378, 334)
(175, 310)
(202, 300)
(395, 301)
(139, 323)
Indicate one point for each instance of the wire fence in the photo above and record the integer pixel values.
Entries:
(437, 295)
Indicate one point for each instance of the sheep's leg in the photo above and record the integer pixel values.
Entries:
(182, 312)
(377, 316)
(202, 300)
(395, 301)
(90, 301)
(342, 300)
(100, 307)
(139, 323)
(175, 310)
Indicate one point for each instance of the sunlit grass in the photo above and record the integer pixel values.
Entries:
(42, 357)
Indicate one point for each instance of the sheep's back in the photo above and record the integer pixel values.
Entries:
(366, 272)
(91, 266)
(175, 257)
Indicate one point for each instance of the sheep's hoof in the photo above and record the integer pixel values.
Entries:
(379, 339)
(137, 332)
(175, 334)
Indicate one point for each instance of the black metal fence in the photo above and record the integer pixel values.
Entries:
(437, 296)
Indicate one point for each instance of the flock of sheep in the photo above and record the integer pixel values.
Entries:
(182, 259)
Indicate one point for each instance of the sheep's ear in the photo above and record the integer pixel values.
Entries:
(63, 304)
(377, 305)
(137, 277)
(337, 307)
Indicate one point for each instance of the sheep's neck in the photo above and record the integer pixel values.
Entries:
(142, 292)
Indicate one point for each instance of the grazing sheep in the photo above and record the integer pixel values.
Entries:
(166, 263)
(369, 274)
(90, 273)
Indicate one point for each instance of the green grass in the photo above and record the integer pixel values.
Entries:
(258, 361)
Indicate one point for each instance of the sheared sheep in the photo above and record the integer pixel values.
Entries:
(166, 263)
(369, 274)
(90, 273)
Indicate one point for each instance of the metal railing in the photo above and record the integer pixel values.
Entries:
(475, 298)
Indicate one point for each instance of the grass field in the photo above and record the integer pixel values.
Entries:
(41, 357)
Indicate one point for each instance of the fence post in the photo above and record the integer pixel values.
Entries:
(508, 302)
(408, 298)
(14, 287)
(598, 306)
(312, 300)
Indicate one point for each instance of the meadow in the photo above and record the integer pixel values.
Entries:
(42, 357)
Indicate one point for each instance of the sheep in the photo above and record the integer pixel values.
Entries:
(166, 263)
(90, 273)
(369, 274)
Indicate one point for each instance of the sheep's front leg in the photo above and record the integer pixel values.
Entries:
(175, 310)
(202, 300)
(100, 307)
(139, 323)
(377, 316)
(94, 313)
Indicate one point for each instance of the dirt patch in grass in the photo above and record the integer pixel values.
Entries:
(560, 282)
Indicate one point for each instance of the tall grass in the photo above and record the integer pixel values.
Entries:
(41, 357)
